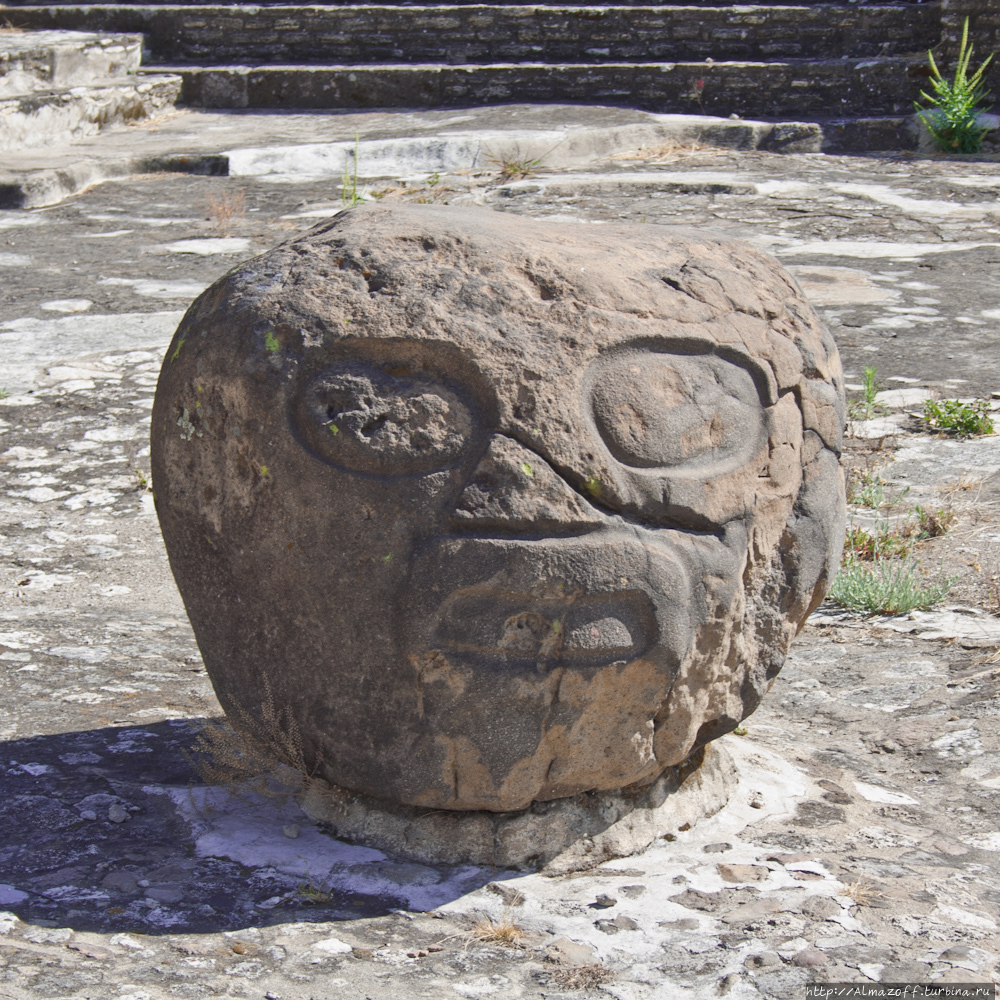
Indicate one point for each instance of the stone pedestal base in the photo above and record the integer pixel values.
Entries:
(563, 835)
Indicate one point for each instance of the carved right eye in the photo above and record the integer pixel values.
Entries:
(365, 420)
(672, 411)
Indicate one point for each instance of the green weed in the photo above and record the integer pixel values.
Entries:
(933, 523)
(891, 587)
(4, 393)
(866, 489)
(349, 194)
(965, 419)
(866, 407)
(514, 167)
(885, 542)
(309, 892)
(953, 119)
(882, 542)
(694, 94)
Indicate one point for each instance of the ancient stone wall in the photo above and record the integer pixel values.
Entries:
(881, 87)
(474, 34)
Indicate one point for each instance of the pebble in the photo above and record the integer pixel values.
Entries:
(509, 895)
(619, 923)
(821, 908)
(810, 956)
(742, 873)
(117, 813)
(748, 913)
(632, 891)
(946, 847)
(333, 946)
(956, 953)
(762, 960)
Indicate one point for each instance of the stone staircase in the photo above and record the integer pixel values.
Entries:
(57, 86)
(853, 68)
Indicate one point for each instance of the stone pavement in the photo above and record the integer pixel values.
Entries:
(862, 843)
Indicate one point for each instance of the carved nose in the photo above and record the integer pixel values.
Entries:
(514, 489)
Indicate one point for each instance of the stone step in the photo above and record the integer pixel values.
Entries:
(831, 88)
(463, 34)
(41, 60)
(16, 6)
(64, 114)
(411, 148)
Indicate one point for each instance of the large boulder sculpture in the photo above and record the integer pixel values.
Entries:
(499, 511)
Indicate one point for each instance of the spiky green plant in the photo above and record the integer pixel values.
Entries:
(886, 586)
(953, 119)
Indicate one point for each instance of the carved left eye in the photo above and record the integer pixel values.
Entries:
(363, 419)
(660, 410)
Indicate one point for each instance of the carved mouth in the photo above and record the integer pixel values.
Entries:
(587, 629)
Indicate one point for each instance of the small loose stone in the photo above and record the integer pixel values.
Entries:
(810, 956)
(765, 960)
(633, 891)
(742, 873)
(956, 953)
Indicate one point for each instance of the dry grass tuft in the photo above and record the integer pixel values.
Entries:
(260, 753)
(993, 598)
(582, 977)
(964, 484)
(504, 931)
(226, 210)
(863, 893)
(668, 152)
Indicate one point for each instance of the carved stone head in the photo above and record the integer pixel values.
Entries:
(499, 510)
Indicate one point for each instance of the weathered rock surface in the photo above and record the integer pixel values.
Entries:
(499, 511)
(565, 835)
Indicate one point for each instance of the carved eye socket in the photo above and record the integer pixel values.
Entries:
(657, 410)
(364, 419)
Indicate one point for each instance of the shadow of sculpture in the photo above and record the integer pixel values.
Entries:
(113, 830)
